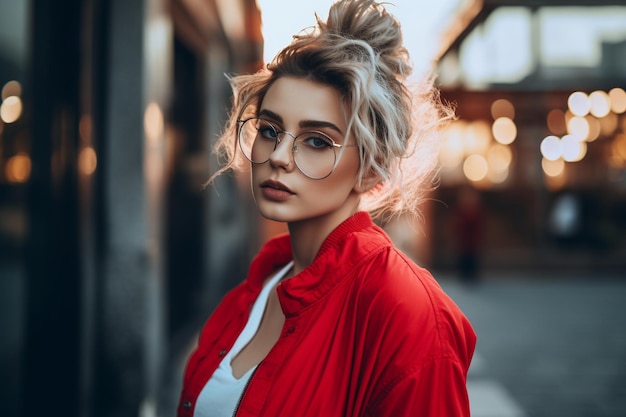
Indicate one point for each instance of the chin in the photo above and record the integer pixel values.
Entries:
(273, 213)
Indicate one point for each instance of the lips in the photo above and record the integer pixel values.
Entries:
(276, 185)
(275, 190)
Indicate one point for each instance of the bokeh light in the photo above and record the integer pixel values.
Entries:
(504, 130)
(600, 104)
(502, 108)
(618, 100)
(579, 127)
(11, 109)
(12, 88)
(551, 148)
(17, 168)
(499, 157)
(475, 168)
(556, 122)
(579, 104)
(87, 160)
(574, 149)
(553, 168)
(477, 137)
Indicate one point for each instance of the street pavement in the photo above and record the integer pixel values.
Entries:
(548, 346)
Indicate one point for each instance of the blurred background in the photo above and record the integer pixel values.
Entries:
(112, 253)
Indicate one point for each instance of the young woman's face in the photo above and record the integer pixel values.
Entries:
(283, 192)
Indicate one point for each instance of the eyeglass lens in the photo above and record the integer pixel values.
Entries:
(313, 152)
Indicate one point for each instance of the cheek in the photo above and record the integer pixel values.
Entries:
(340, 183)
(347, 171)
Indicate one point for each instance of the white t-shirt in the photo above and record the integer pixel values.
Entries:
(221, 394)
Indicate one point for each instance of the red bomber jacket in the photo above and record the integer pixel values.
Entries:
(367, 333)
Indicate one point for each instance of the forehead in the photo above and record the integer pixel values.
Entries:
(297, 99)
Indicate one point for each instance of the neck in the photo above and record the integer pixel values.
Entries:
(308, 236)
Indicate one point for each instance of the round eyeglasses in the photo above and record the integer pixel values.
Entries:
(314, 153)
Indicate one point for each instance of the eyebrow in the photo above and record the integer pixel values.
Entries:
(304, 124)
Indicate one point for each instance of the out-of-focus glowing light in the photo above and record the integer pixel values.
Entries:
(573, 148)
(553, 168)
(609, 124)
(556, 122)
(11, 109)
(600, 103)
(477, 137)
(502, 108)
(551, 148)
(504, 130)
(475, 168)
(498, 160)
(594, 128)
(17, 168)
(153, 123)
(87, 161)
(499, 157)
(618, 100)
(12, 88)
(497, 177)
(579, 127)
(579, 104)
(453, 148)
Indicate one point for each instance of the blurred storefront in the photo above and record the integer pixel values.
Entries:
(541, 134)
(111, 250)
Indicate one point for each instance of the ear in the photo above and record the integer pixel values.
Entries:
(369, 181)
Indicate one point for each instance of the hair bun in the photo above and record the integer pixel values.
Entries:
(369, 21)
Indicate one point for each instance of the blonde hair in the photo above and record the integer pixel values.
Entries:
(359, 51)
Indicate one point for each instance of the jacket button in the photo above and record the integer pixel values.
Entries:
(187, 405)
(222, 353)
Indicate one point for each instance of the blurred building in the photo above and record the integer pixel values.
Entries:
(541, 134)
(111, 250)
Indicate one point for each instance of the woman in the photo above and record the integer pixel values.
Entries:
(332, 319)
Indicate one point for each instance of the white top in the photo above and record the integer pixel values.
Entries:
(221, 394)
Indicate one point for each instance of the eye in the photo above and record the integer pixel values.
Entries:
(266, 130)
(316, 141)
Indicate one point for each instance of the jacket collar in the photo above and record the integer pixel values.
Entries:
(334, 261)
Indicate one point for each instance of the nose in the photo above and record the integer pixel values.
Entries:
(282, 156)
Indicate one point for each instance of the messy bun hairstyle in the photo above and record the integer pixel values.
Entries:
(359, 51)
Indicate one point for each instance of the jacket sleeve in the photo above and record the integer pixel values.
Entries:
(436, 389)
(425, 345)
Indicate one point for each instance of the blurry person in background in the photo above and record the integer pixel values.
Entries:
(468, 232)
(565, 219)
(332, 319)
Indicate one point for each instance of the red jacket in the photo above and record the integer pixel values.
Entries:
(367, 333)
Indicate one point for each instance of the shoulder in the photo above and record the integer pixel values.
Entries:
(397, 288)
(409, 305)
